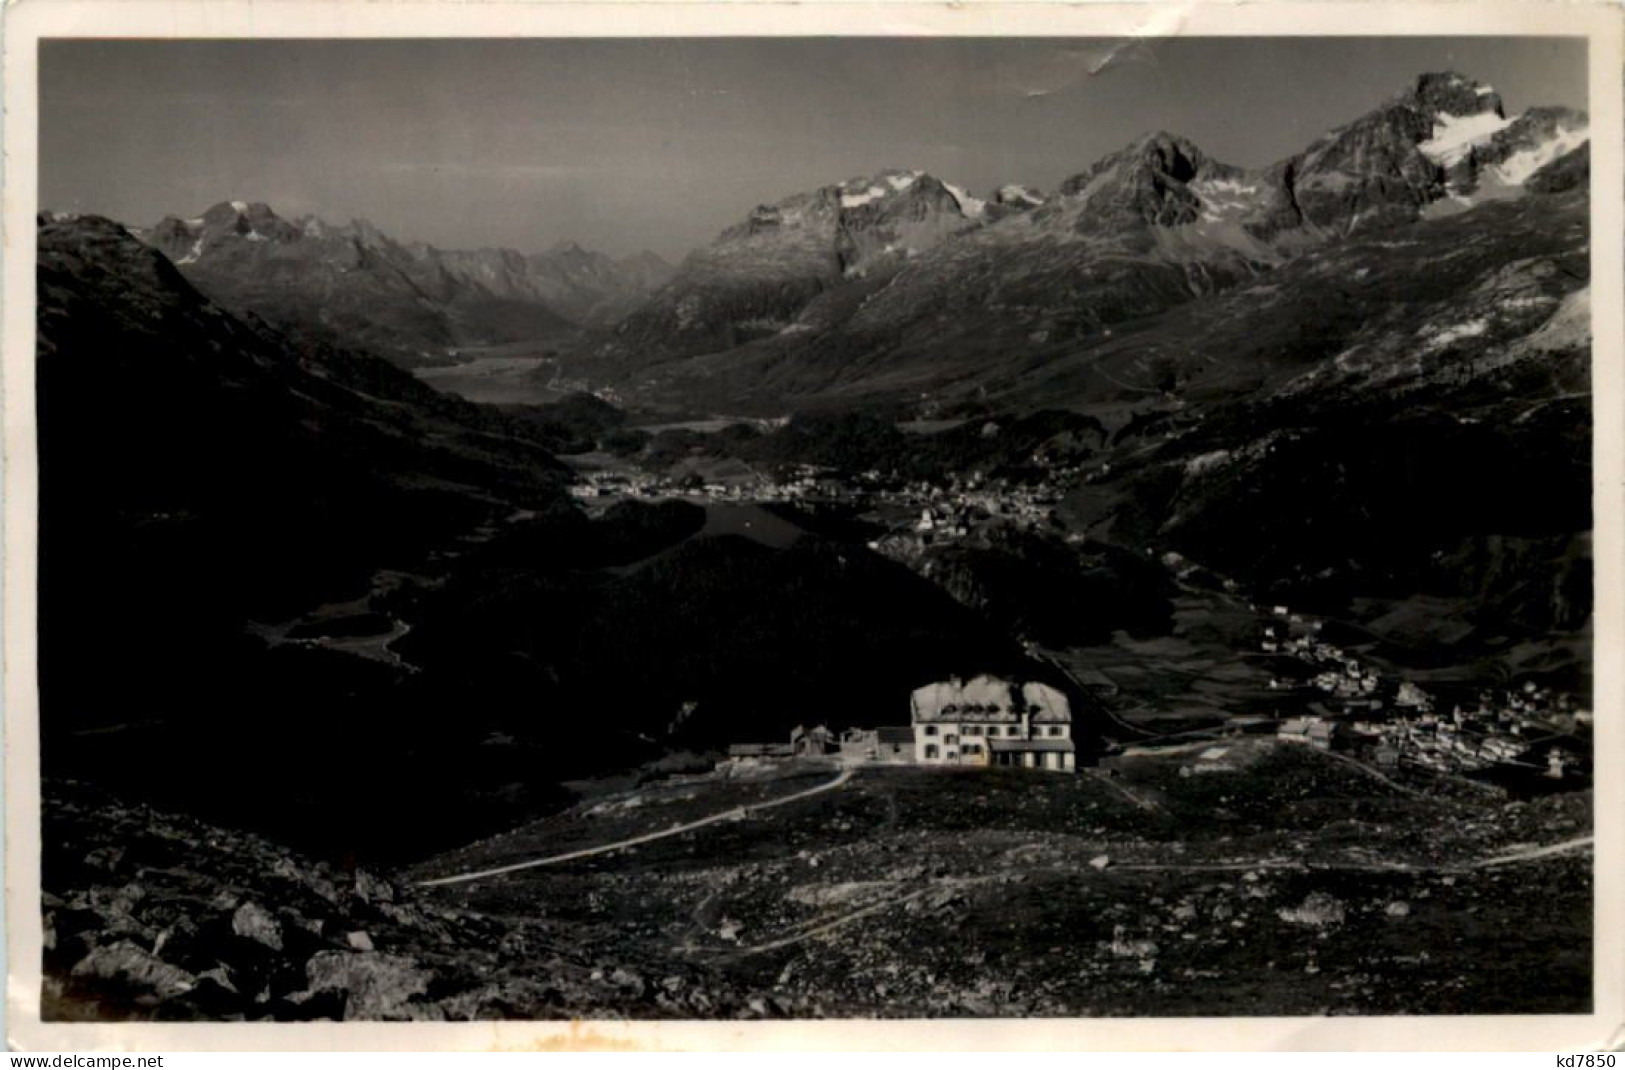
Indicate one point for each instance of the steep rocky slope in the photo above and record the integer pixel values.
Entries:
(186, 418)
(201, 476)
(754, 279)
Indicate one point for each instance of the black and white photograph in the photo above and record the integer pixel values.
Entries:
(772, 528)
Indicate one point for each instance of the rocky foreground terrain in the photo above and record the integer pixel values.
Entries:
(1245, 878)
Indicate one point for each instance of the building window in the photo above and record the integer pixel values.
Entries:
(930, 750)
(950, 740)
(930, 729)
(973, 730)
(1054, 729)
(1011, 730)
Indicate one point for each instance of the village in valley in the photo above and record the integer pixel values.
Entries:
(1316, 692)
(1392, 720)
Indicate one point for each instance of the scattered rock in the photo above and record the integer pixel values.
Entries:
(1397, 909)
(254, 922)
(359, 941)
(219, 976)
(105, 859)
(1100, 861)
(1123, 947)
(628, 981)
(373, 890)
(1318, 910)
(127, 963)
(376, 986)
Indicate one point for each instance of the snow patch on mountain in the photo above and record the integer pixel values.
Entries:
(1517, 168)
(970, 207)
(1454, 136)
(858, 200)
(1014, 193)
(1440, 338)
(1223, 198)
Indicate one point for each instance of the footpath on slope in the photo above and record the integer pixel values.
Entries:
(733, 814)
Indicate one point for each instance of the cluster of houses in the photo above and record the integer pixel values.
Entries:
(1397, 721)
(793, 483)
(983, 721)
(956, 507)
(1496, 732)
(619, 484)
(945, 514)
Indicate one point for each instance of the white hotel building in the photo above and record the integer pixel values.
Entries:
(989, 721)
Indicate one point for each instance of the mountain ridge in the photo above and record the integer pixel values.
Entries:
(410, 302)
(1143, 229)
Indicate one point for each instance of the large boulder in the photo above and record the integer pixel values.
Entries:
(149, 978)
(254, 922)
(376, 986)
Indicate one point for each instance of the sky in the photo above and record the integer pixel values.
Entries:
(625, 145)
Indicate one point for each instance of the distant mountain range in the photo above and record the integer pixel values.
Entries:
(900, 286)
(412, 303)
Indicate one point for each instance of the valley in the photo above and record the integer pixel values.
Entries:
(496, 375)
(462, 574)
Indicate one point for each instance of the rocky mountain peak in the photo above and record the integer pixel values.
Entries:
(1160, 156)
(255, 221)
(1171, 155)
(1430, 141)
(1449, 93)
(1147, 181)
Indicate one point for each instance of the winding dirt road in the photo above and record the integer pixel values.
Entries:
(649, 837)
